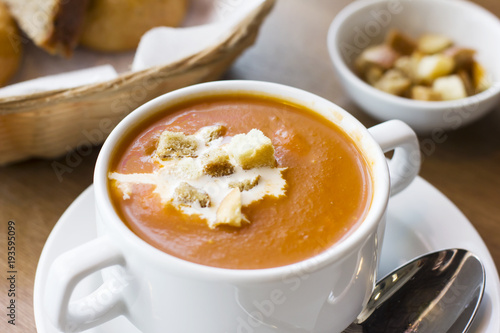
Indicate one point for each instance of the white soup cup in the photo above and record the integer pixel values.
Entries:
(158, 292)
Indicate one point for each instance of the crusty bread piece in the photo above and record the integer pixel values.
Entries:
(187, 194)
(393, 82)
(210, 133)
(432, 43)
(450, 87)
(54, 25)
(252, 150)
(423, 93)
(400, 42)
(118, 25)
(176, 145)
(216, 163)
(10, 50)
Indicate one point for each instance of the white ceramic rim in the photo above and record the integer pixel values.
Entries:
(377, 164)
(404, 103)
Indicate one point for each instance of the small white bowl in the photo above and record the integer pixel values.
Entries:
(366, 22)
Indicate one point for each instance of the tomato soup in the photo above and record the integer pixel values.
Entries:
(327, 193)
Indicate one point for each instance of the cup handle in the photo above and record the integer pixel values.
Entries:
(67, 271)
(405, 163)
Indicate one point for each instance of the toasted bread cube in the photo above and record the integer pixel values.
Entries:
(216, 163)
(450, 87)
(381, 56)
(423, 93)
(434, 66)
(406, 66)
(394, 82)
(433, 43)
(229, 211)
(210, 133)
(245, 184)
(252, 150)
(463, 57)
(480, 78)
(373, 74)
(187, 194)
(400, 42)
(176, 145)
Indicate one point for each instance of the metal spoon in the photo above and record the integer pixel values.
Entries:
(436, 293)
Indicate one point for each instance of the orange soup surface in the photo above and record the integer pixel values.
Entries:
(328, 186)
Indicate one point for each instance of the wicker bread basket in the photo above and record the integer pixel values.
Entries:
(50, 124)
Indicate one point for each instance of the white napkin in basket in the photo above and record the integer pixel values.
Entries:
(61, 81)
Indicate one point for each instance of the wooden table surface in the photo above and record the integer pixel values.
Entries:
(292, 50)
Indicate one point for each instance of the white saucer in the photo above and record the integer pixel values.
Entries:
(420, 219)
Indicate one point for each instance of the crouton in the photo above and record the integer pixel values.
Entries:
(216, 163)
(373, 74)
(245, 184)
(382, 56)
(423, 93)
(176, 145)
(450, 87)
(393, 82)
(463, 57)
(400, 42)
(229, 211)
(408, 65)
(187, 194)
(210, 133)
(252, 150)
(432, 43)
(434, 66)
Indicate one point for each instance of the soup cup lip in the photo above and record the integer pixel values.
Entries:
(378, 172)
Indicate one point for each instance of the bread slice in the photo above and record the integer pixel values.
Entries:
(118, 25)
(54, 25)
(10, 49)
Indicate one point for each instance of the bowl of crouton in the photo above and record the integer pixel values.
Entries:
(430, 63)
